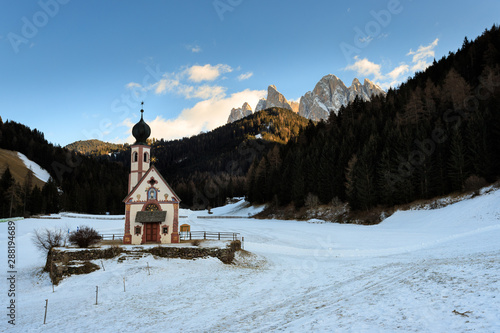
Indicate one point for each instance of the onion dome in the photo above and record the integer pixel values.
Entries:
(141, 131)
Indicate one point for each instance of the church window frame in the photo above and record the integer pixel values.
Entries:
(165, 230)
(137, 230)
(134, 156)
(146, 157)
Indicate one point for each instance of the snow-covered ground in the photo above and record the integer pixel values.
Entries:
(39, 172)
(414, 272)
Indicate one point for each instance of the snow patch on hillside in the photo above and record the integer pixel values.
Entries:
(240, 208)
(39, 172)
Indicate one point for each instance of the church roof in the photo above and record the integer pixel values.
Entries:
(141, 131)
(158, 216)
(143, 179)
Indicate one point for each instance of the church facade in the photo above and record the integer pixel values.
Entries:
(151, 206)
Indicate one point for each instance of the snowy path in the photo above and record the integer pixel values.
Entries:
(407, 274)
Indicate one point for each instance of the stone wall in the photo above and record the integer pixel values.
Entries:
(224, 255)
(62, 262)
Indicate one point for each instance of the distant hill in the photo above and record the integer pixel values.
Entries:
(95, 147)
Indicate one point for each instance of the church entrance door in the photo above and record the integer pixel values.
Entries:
(152, 232)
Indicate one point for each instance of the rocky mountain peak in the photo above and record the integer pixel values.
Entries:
(239, 113)
(275, 99)
(330, 93)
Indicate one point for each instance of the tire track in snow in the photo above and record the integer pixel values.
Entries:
(307, 304)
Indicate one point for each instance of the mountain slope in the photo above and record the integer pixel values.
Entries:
(17, 167)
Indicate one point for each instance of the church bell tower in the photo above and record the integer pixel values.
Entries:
(151, 205)
(140, 153)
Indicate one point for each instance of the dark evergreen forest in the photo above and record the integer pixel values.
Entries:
(79, 183)
(437, 133)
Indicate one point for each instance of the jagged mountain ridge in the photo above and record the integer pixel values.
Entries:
(329, 94)
(238, 113)
(275, 99)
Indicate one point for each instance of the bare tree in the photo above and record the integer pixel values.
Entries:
(46, 239)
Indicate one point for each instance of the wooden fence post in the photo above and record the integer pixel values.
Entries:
(96, 294)
(46, 306)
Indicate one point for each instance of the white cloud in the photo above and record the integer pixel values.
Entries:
(195, 48)
(245, 76)
(190, 82)
(207, 72)
(203, 116)
(365, 40)
(164, 85)
(398, 71)
(422, 55)
(207, 92)
(420, 61)
(133, 85)
(365, 68)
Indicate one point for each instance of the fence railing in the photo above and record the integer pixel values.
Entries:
(111, 236)
(222, 217)
(190, 235)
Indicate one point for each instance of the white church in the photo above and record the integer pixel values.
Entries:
(151, 206)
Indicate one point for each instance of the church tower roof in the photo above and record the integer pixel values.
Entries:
(141, 131)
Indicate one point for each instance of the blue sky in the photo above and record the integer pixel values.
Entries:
(78, 70)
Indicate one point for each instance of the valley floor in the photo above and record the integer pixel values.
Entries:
(417, 271)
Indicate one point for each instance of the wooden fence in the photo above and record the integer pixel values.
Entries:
(111, 236)
(190, 235)
(222, 217)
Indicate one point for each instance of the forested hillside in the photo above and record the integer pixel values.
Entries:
(437, 133)
(79, 183)
(95, 147)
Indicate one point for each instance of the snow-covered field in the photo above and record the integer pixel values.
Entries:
(414, 272)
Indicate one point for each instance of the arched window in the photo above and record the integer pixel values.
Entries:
(151, 208)
(146, 157)
(134, 157)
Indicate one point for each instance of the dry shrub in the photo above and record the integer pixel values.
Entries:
(312, 200)
(84, 237)
(196, 242)
(235, 245)
(474, 183)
